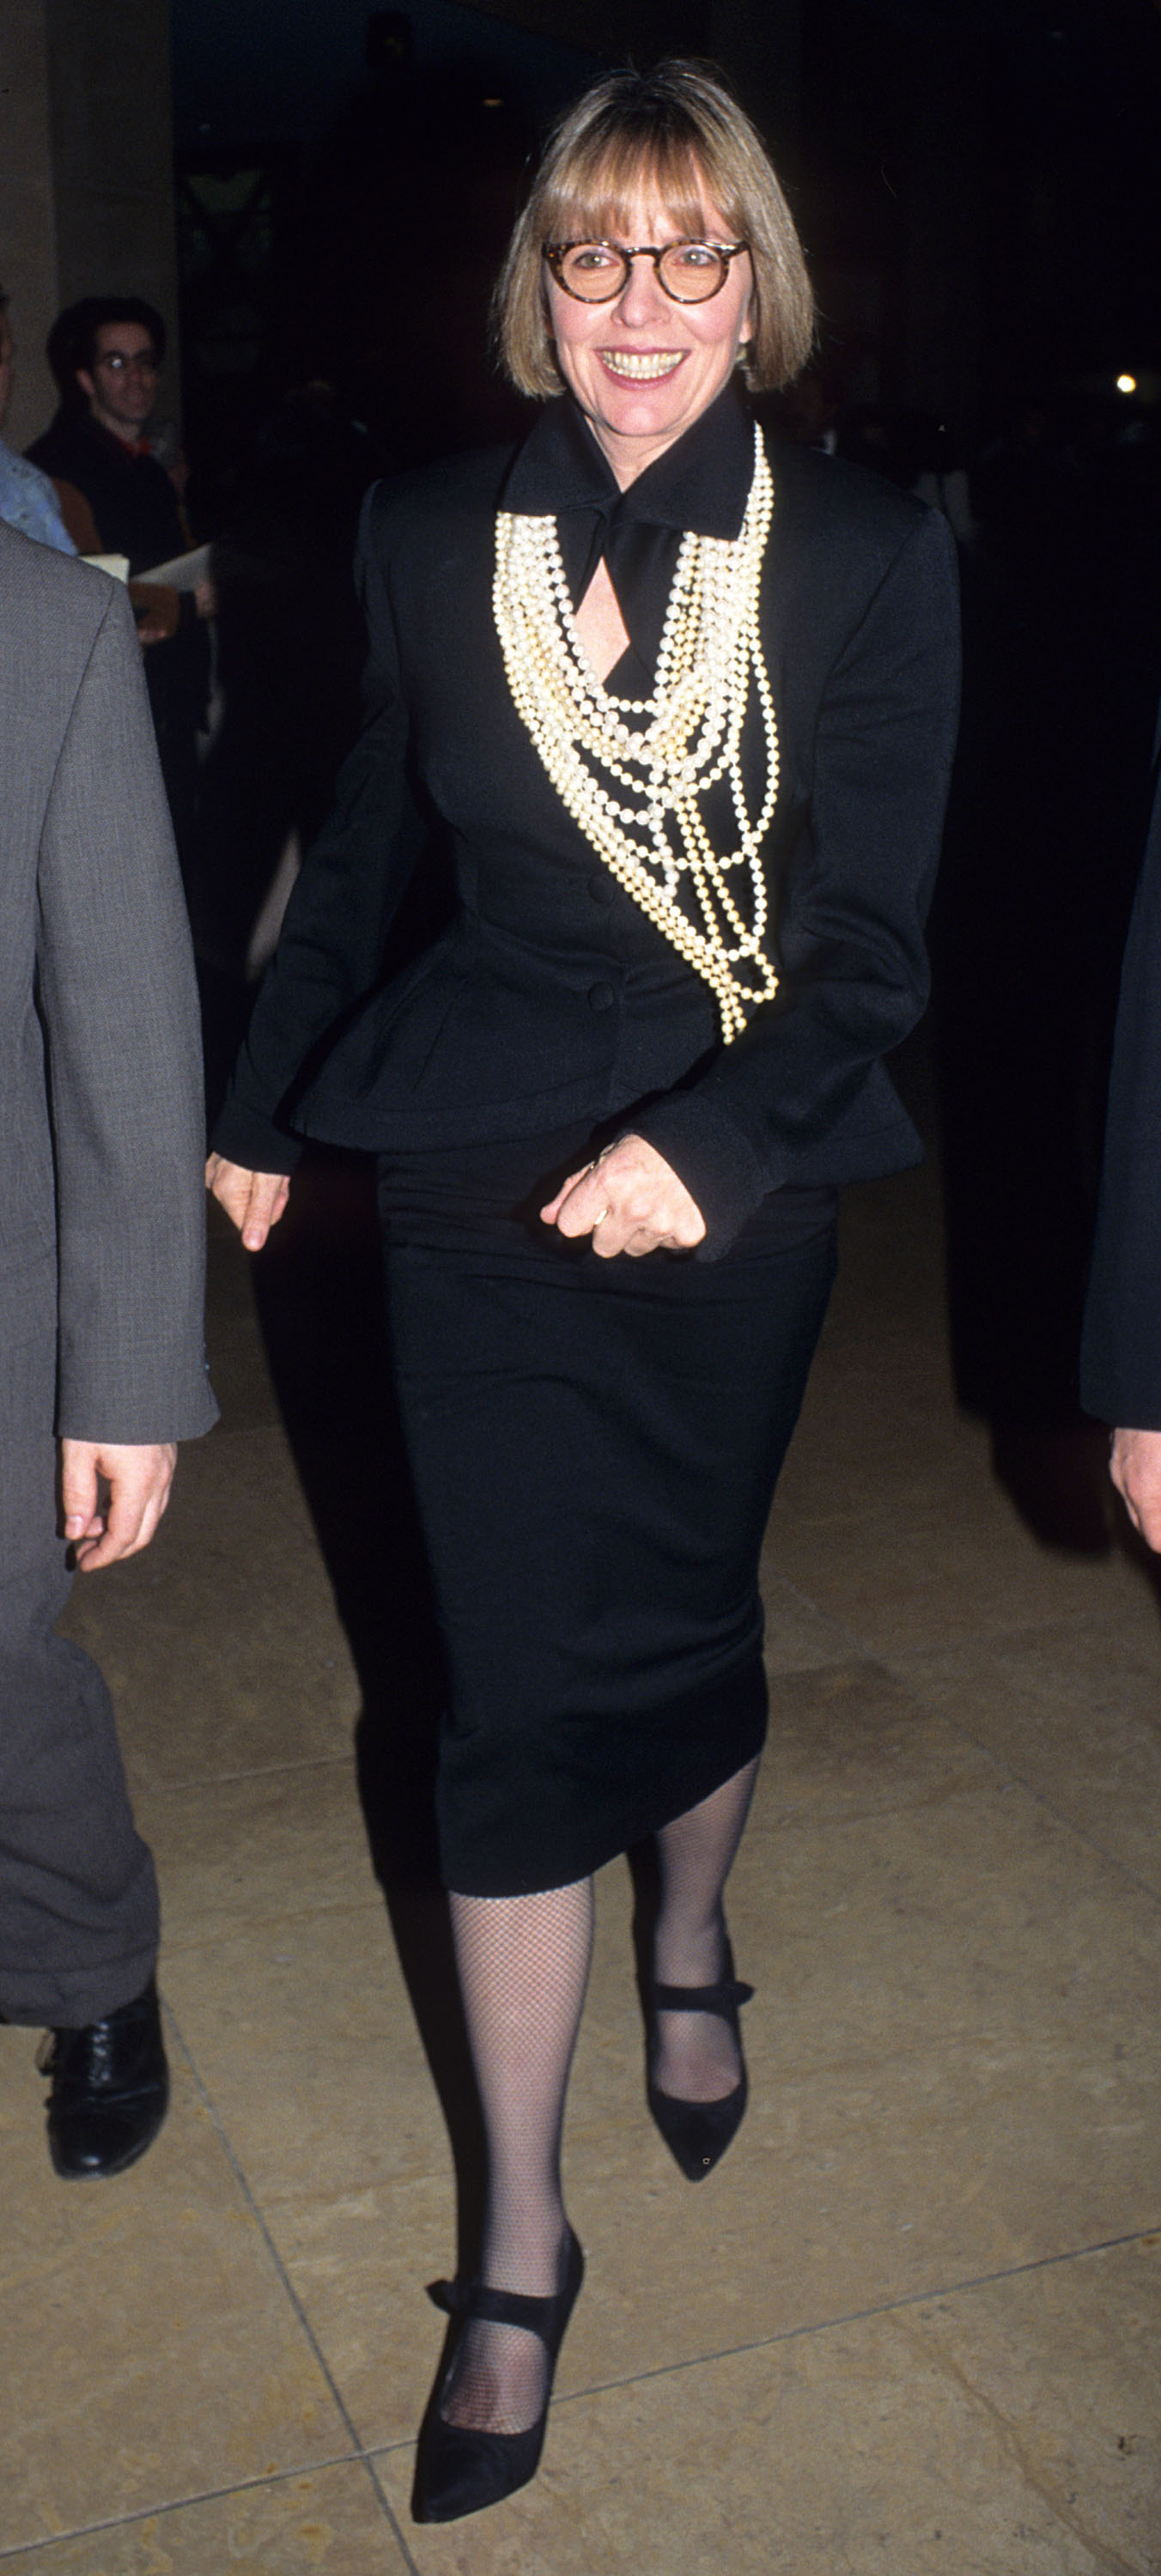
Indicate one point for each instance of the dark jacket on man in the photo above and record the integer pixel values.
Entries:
(137, 513)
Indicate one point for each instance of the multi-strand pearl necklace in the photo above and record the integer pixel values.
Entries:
(710, 655)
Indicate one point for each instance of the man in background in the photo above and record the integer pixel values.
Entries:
(106, 353)
(101, 1355)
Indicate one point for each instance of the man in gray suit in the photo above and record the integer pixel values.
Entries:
(102, 1365)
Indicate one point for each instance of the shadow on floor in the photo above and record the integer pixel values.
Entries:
(318, 1291)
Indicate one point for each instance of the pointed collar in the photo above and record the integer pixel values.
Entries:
(701, 483)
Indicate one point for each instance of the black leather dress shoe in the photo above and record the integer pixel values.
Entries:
(110, 2089)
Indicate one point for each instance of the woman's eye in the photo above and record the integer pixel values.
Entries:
(694, 255)
(593, 256)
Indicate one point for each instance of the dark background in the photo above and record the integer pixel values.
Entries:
(975, 181)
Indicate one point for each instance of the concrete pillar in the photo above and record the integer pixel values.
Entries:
(86, 182)
(27, 218)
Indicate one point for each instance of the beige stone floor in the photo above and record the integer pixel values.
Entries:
(912, 2326)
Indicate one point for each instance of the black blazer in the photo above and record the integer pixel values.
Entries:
(1120, 1373)
(550, 998)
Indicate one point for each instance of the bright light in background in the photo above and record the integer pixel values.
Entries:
(1126, 384)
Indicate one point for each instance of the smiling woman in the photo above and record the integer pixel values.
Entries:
(647, 359)
(700, 160)
(683, 702)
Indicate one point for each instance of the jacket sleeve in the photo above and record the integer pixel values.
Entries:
(1120, 1367)
(118, 1006)
(852, 965)
(330, 951)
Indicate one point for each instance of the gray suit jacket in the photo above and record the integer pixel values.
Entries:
(101, 1121)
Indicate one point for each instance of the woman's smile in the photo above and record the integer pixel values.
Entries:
(641, 366)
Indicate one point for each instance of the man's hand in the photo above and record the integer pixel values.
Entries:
(254, 1200)
(157, 609)
(113, 1495)
(1135, 1468)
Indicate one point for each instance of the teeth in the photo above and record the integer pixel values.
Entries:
(642, 367)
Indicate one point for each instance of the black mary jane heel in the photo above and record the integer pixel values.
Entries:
(698, 2133)
(459, 2470)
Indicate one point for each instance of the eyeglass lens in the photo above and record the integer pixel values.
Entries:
(597, 271)
(119, 365)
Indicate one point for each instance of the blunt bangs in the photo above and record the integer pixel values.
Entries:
(595, 203)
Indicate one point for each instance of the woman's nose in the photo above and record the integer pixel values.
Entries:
(642, 296)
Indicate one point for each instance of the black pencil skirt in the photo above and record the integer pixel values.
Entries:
(595, 1446)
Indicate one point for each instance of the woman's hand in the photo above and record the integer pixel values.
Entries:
(629, 1200)
(254, 1200)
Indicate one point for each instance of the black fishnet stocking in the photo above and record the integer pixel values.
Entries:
(696, 2056)
(523, 1964)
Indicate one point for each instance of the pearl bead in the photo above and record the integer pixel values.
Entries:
(686, 738)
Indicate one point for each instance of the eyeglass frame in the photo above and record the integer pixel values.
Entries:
(142, 362)
(554, 252)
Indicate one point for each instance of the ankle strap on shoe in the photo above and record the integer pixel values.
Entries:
(494, 2307)
(722, 1998)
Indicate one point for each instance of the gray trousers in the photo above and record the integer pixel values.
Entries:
(78, 1896)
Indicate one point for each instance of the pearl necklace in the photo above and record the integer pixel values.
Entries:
(711, 653)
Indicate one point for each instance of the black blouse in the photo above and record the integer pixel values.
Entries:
(701, 483)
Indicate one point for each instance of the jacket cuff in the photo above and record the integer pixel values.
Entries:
(186, 1415)
(717, 1163)
(246, 1137)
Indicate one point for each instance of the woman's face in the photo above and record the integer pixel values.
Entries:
(643, 368)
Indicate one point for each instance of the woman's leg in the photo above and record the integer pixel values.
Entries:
(696, 2057)
(523, 1964)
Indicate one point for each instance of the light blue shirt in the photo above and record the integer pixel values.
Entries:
(28, 502)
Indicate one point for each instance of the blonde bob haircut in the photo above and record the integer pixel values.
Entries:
(676, 130)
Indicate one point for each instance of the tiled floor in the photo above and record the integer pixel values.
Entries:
(912, 2327)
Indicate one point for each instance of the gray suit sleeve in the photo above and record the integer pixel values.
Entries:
(118, 1005)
